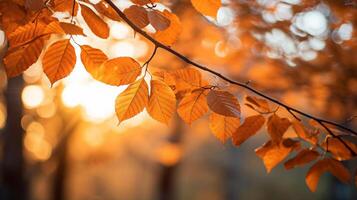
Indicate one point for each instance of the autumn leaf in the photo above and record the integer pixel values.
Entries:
(277, 127)
(187, 78)
(138, 15)
(223, 103)
(92, 59)
(333, 166)
(223, 127)
(249, 128)
(132, 101)
(158, 20)
(66, 6)
(103, 8)
(144, 2)
(95, 23)
(59, 60)
(71, 29)
(260, 104)
(303, 157)
(162, 102)
(34, 5)
(20, 59)
(170, 34)
(193, 106)
(302, 133)
(119, 71)
(24, 34)
(207, 7)
(338, 149)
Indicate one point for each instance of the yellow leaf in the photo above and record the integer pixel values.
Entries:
(23, 57)
(321, 166)
(158, 20)
(92, 59)
(277, 127)
(207, 7)
(224, 103)
(119, 71)
(132, 101)
(170, 34)
(95, 23)
(223, 127)
(59, 60)
(303, 157)
(193, 106)
(249, 128)
(138, 15)
(162, 102)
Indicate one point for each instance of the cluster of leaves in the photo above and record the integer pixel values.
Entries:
(31, 29)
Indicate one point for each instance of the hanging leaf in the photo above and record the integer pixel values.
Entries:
(20, 59)
(260, 104)
(132, 101)
(277, 127)
(66, 6)
(25, 34)
(170, 34)
(138, 15)
(249, 128)
(338, 149)
(162, 102)
(119, 71)
(223, 103)
(223, 127)
(95, 23)
(71, 29)
(207, 7)
(302, 133)
(158, 20)
(321, 166)
(303, 157)
(34, 5)
(92, 59)
(59, 60)
(193, 106)
(105, 9)
(144, 2)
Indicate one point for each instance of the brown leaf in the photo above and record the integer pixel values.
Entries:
(193, 106)
(94, 22)
(132, 101)
(170, 34)
(138, 15)
(303, 157)
(34, 5)
(249, 128)
(207, 7)
(66, 6)
(71, 29)
(59, 60)
(158, 20)
(223, 127)
(144, 2)
(261, 104)
(333, 166)
(162, 102)
(92, 59)
(223, 103)
(277, 127)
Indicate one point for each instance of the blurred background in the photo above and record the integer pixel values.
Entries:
(64, 142)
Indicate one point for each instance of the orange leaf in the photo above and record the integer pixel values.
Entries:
(162, 102)
(71, 29)
(303, 157)
(249, 128)
(105, 9)
(92, 59)
(302, 133)
(34, 5)
(66, 6)
(224, 103)
(59, 60)
(338, 149)
(158, 20)
(144, 2)
(187, 78)
(26, 33)
(119, 71)
(207, 7)
(193, 106)
(170, 34)
(223, 127)
(321, 166)
(138, 15)
(277, 127)
(95, 23)
(261, 104)
(132, 101)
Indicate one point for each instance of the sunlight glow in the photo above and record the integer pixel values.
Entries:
(35, 142)
(32, 96)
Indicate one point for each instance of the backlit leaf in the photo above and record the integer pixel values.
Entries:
(25, 34)
(94, 22)
(303, 157)
(138, 15)
(249, 128)
(71, 29)
(66, 6)
(207, 7)
(170, 34)
(277, 127)
(223, 127)
(261, 104)
(92, 59)
(132, 101)
(338, 149)
(302, 133)
(193, 106)
(187, 78)
(162, 102)
(224, 103)
(158, 20)
(144, 2)
(105, 9)
(59, 60)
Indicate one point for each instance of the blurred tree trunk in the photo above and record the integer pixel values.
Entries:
(13, 165)
(167, 176)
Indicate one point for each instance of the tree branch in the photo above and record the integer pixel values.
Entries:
(233, 82)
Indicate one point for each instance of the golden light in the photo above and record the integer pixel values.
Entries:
(169, 154)
(2, 115)
(32, 96)
(35, 142)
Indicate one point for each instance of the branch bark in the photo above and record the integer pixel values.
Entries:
(290, 109)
